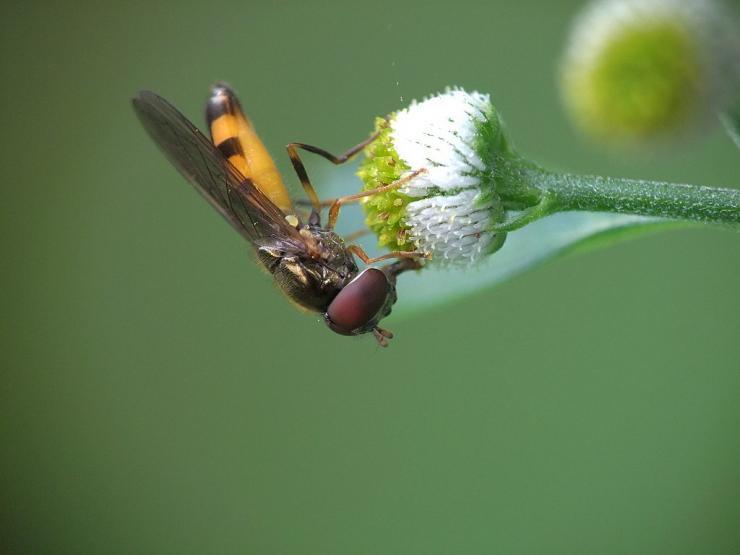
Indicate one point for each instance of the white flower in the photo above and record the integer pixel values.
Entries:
(643, 68)
(453, 207)
(439, 134)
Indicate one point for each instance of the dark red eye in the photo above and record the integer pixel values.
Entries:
(359, 302)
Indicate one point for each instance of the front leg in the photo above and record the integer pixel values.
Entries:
(402, 265)
(411, 255)
(336, 204)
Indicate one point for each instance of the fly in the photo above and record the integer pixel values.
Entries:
(311, 263)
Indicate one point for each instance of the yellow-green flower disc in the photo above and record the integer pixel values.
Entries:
(384, 212)
(639, 69)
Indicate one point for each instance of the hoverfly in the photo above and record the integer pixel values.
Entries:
(311, 263)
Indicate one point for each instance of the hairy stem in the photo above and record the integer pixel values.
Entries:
(646, 198)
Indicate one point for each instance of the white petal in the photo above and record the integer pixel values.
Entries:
(440, 134)
(454, 228)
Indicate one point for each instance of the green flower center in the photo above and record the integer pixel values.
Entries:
(647, 80)
(385, 211)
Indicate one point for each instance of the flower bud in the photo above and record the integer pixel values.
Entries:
(637, 70)
(449, 210)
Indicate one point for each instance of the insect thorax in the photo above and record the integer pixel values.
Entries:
(311, 282)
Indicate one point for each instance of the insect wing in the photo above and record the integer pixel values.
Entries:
(234, 196)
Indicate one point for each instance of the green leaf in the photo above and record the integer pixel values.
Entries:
(525, 249)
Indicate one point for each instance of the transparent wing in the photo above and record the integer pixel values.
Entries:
(233, 195)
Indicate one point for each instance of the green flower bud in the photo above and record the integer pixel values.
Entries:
(641, 69)
(451, 209)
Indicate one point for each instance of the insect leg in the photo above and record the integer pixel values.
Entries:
(336, 204)
(402, 265)
(300, 169)
(382, 336)
(362, 255)
(356, 235)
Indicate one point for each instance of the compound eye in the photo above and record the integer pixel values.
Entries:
(359, 302)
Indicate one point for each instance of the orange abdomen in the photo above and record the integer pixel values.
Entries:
(234, 135)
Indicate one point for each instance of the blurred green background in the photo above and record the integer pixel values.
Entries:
(158, 396)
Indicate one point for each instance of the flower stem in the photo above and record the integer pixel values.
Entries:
(646, 198)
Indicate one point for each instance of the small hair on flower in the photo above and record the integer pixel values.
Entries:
(637, 70)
